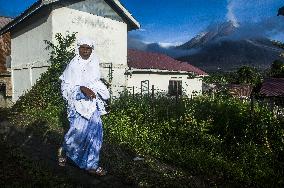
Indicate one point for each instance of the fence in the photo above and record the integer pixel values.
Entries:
(153, 94)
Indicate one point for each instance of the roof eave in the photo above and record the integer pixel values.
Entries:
(164, 71)
(132, 23)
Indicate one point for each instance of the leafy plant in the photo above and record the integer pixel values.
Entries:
(44, 102)
(207, 135)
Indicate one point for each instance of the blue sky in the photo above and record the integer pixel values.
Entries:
(177, 21)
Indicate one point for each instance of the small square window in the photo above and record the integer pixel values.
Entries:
(175, 87)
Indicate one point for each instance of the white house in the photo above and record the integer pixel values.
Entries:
(163, 73)
(105, 21)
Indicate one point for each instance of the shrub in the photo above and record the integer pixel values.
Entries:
(209, 135)
(44, 103)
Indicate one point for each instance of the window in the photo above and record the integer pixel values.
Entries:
(2, 90)
(175, 87)
(145, 87)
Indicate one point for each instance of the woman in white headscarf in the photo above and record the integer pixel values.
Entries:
(84, 92)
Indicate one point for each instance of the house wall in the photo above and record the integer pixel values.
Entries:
(161, 82)
(30, 59)
(110, 36)
(28, 52)
(96, 7)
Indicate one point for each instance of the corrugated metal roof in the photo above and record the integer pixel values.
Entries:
(272, 87)
(148, 60)
(4, 21)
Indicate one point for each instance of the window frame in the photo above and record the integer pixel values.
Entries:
(175, 87)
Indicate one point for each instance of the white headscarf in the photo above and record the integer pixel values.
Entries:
(80, 72)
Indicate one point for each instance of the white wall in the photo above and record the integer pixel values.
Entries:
(110, 38)
(28, 47)
(161, 82)
(22, 83)
(96, 7)
(28, 51)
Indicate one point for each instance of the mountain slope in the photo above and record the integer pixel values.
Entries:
(222, 47)
(214, 33)
(229, 55)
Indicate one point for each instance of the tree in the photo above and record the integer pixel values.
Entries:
(281, 11)
(248, 75)
(277, 69)
(280, 45)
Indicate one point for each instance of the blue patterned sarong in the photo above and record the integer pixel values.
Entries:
(83, 141)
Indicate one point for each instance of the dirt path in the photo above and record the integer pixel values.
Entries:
(23, 148)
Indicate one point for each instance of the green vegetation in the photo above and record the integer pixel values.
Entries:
(217, 136)
(280, 45)
(244, 75)
(44, 104)
(209, 136)
(277, 69)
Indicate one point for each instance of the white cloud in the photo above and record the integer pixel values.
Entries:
(169, 44)
(142, 30)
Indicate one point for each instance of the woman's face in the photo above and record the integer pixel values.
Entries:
(85, 51)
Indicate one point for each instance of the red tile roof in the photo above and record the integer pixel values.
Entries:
(272, 87)
(148, 60)
(4, 21)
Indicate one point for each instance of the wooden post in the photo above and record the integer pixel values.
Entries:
(153, 91)
(152, 96)
(251, 106)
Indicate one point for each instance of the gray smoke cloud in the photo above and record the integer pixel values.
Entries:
(135, 41)
(230, 13)
(250, 17)
(266, 28)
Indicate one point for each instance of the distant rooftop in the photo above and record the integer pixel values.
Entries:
(148, 60)
(4, 21)
(272, 87)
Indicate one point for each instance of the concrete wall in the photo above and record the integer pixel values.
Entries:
(28, 52)
(96, 7)
(110, 37)
(30, 59)
(161, 82)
